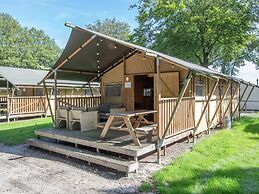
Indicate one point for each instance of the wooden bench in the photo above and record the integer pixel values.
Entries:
(148, 130)
(117, 125)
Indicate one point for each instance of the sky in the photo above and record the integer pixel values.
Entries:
(50, 16)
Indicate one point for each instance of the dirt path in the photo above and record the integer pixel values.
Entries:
(27, 170)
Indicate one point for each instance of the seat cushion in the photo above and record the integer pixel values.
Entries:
(104, 108)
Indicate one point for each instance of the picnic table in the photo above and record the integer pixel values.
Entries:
(132, 120)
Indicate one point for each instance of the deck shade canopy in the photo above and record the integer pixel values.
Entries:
(90, 54)
(19, 77)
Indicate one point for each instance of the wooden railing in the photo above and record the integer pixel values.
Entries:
(3, 99)
(79, 102)
(27, 105)
(184, 118)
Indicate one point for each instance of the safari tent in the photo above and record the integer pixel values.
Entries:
(148, 101)
(21, 96)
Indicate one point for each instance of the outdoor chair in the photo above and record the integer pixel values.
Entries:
(83, 120)
(62, 118)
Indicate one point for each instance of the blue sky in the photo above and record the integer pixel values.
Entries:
(50, 15)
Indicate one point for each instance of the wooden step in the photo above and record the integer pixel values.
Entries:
(85, 155)
(81, 138)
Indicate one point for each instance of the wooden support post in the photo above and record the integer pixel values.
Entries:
(90, 89)
(205, 107)
(220, 102)
(208, 112)
(11, 102)
(240, 98)
(8, 104)
(56, 95)
(229, 103)
(247, 97)
(158, 87)
(179, 99)
(48, 101)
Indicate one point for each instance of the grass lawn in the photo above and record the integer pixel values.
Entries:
(18, 132)
(226, 162)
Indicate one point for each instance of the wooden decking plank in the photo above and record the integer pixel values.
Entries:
(112, 145)
(92, 157)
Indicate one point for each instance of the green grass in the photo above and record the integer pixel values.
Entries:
(226, 162)
(18, 132)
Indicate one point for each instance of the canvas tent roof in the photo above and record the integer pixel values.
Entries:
(80, 61)
(21, 77)
(30, 77)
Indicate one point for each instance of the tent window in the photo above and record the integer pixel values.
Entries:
(113, 90)
(199, 88)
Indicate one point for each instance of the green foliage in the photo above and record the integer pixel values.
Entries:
(145, 187)
(226, 162)
(18, 132)
(221, 33)
(24, 47)
(111, 27)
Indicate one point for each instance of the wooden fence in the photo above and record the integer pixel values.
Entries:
(79, 102)
(184, 118)
(27, 105)
(3, 99)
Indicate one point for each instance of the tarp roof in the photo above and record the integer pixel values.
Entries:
(20, 77)
(90, 53)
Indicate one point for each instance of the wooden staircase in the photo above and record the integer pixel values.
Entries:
(108, 161)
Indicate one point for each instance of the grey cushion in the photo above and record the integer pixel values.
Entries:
(104, 108)
(114, 105)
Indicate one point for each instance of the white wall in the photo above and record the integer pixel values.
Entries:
(253, 101)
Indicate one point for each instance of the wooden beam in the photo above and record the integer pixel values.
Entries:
(56, 97)
(206, 105)
(229, 103)
(220, 102)
(76, 71)
(88, 41)
(247, 97)
(179, 99)
(240, 98)
(8, 105)
(158, 90)
(49, 104)
(11, 102)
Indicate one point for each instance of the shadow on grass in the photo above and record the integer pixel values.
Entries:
(252, 128)
(235, 180)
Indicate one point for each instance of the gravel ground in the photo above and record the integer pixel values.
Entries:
(31, 170)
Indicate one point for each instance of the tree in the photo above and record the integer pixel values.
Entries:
(218, 33)
(24, 47)
(111, 27)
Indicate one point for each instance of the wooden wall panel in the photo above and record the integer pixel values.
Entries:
(169, 84)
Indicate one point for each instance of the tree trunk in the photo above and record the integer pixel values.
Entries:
(205, 58)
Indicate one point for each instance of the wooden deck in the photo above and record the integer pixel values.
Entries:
(116, 151)
(116, 141)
